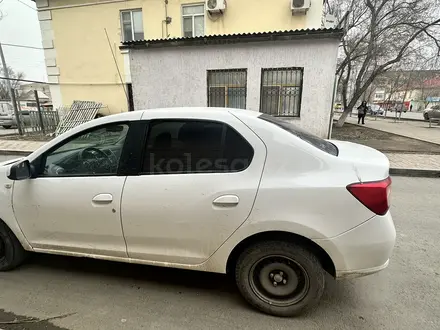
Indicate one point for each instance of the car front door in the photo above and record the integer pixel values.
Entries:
(73, 202)
(196, 186)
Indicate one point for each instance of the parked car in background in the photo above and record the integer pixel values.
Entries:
(432, 112)
(398, 108)
(210, 189)
(338, 106)
(8, 120)
(374, 109)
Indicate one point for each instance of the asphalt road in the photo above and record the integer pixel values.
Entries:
(106, 295)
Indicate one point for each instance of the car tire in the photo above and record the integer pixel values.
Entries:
(426, 116)
(298, 273)
(12, 253)
(7, 126)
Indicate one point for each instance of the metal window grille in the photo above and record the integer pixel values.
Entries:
(227, 88)
(281, 90)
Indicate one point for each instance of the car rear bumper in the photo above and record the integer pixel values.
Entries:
(6, 122)
(362, 250)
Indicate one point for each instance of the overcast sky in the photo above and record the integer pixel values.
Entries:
(19, 25)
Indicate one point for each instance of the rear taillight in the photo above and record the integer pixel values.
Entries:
(374, 195)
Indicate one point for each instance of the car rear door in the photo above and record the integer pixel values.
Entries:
(196, 185)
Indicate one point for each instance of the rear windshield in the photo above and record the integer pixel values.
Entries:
(315, 141)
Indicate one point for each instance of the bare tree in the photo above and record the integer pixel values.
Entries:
(4, 91)
(378, 35)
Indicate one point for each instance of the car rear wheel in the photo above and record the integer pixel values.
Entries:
(7, 126)
(12, 253)
(280, 278)
(425, 115)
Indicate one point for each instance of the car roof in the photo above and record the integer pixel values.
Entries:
(174, 112)
(202, 110)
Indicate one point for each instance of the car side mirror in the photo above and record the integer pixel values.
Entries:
(20, 171)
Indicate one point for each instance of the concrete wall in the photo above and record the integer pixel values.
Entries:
(79, 61)
(168, 77)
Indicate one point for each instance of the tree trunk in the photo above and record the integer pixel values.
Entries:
(344, 115)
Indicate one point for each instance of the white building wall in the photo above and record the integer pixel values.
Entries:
(177, 76)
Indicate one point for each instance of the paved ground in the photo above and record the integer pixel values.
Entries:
(414, 161)
(105, 295)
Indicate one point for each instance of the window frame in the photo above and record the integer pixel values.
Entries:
(161, 120)
(301, 86)
(131, 23)
(226, 86)
(182, 15)
(40, 161)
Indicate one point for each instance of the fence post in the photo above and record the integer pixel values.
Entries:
(39, 111)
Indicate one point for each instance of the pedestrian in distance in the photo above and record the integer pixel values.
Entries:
(362, 112)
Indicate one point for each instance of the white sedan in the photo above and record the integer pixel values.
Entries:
(217, 190)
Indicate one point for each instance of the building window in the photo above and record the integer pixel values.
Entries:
(183, 146)
(379, 96)
(132, 25)
(227, 88)
(193, 20)
(281, 91)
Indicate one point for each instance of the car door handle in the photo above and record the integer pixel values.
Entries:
(226, 200)
(103, 199)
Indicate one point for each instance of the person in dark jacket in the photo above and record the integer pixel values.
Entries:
(362, 112)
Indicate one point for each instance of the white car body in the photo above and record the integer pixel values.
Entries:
(196, 220)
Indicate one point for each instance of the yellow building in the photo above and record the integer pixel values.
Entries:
(81, 38)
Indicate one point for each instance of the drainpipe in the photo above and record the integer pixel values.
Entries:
(330, 124)
(167, 20)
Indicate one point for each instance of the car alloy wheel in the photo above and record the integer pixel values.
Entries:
(279, 280)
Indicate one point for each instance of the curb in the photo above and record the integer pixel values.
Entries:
(14, 152)
(403, 119)
(415, 172)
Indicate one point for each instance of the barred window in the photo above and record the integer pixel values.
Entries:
(227, 88)
(281, 90)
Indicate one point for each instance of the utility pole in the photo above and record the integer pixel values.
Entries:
(11, 91)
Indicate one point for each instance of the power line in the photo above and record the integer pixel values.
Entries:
(26, 80)
(26, 5)
(22, 46)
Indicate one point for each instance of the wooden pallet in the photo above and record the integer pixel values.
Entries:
(79, 113)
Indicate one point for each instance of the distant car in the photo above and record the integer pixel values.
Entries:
(399, 108)
(7, 119)
(374, 109)
(432, 112)
(212, 189)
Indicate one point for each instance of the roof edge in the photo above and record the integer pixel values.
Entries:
(235, 38)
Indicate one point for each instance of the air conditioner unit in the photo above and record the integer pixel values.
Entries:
(215, 6)
(300, 6)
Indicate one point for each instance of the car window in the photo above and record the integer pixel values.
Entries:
(436, 107)
(95, 152)
(191, 146)
(315, 141)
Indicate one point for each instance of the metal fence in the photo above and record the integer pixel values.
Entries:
(281, 90)
(227, 88)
